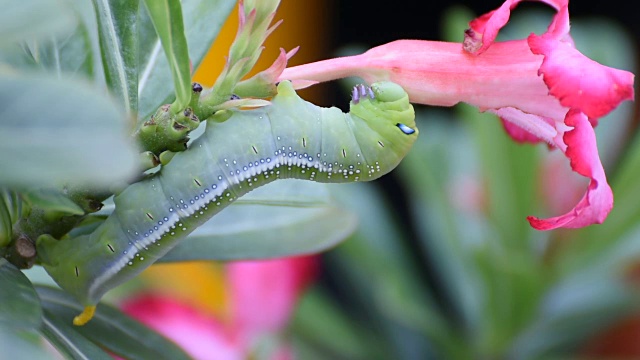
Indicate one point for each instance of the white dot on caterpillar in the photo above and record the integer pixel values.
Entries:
(130, 263)
(184, 229)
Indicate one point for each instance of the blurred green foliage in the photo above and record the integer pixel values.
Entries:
(460, 274)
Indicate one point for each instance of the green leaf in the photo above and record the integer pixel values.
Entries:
(6, 223)
(509, 172)
(203, 20)
(14, 205)
(287, 217)
(111, 329)
(321, 322)
(19, 303)
(398, 295)
(51, 200)
(32, 19)
(512, 287)
(576, 308)
(25, 344)
(57, 130)
(166, 16)
(446, 237)
(68, 341)
(117, 24)
(68, 54)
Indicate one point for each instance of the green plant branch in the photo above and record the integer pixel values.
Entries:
(39, 217)
(168, 130)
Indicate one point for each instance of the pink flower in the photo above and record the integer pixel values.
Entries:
(262, 294)
(542, 88)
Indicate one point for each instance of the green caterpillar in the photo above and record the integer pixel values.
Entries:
(239, 151)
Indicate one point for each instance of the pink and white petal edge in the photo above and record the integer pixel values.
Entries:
(582, 151)
(485, 28)
(579, 82)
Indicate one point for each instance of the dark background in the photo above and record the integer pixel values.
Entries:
(377, 22)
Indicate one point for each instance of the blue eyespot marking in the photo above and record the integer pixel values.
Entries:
(405, 129)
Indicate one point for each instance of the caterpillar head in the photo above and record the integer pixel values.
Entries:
(385, 108)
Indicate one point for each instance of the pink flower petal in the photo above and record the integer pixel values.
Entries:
(519, 134)
(271, 74)
(579, 82)
(582, 152)
(526, 127)
(485, 28)
(264, 293)
(199, 335)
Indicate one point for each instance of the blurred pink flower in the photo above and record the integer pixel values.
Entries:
(262, 295)
(541, 87)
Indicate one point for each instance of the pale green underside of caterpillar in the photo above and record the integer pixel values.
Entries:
(239, 151)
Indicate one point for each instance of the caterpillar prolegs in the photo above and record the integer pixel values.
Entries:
(239, 151)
